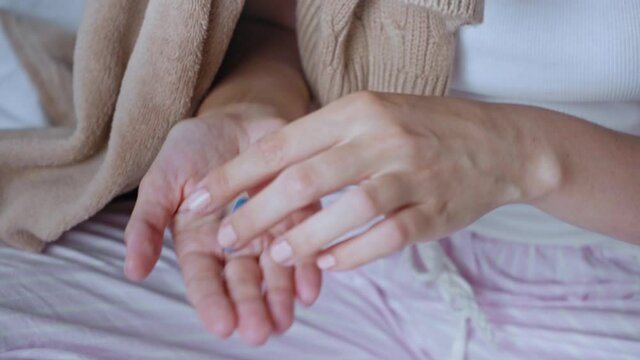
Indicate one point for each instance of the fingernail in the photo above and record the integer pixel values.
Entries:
(281, 252)
(197, 201)
(227, 235)
(326, 262)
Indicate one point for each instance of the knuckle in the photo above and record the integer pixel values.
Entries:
(238, 272)
(152, 183)
(245, 224)
(271, 149)
(413, 153)
(368, 103)
(399, 138)
(199, 290)
(302, 245)
(367, 200)
(244, 292)
(196, 281)
(436, 209)
(366, 99)
(218, 181)
(408, 148)
(300, 183)
(274, 122)
(376, 105)
(370, 112)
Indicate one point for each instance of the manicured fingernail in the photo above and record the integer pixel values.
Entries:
(197, 201)
(326, 262)
(281, 252)
(227, 235)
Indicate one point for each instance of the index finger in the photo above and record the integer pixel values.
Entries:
(263, 160)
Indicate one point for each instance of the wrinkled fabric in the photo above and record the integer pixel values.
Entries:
(111, 95)
(542, 302)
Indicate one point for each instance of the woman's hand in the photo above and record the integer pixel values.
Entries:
(226, 289)
(429, 165)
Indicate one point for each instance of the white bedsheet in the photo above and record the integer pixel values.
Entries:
(19, 105)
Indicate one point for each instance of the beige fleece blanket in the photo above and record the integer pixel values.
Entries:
(138, 68)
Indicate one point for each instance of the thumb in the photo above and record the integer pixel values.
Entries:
(154, 209)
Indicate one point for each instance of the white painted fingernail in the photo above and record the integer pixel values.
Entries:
(326, 262)
(227, 237)
(197, 201)
(281, 252)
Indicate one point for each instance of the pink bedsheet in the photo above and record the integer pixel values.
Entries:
(543, 303)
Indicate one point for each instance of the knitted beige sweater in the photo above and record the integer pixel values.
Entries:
(401, 46)
(141, 66)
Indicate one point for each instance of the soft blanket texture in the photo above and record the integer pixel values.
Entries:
(141, 66)
(138, 68)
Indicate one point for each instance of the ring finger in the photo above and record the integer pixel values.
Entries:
(244, 283)
(359, 205)
(295, 188)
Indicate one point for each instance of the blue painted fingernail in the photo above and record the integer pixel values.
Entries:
(226, 235)
(240, 201)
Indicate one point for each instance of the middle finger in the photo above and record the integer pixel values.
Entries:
(279, 292)
(244, 283)
(359, 205)
(296, 187)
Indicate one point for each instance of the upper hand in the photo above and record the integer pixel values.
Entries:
(429, 165)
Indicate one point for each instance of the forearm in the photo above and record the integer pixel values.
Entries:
(591, 174)
(262, 68)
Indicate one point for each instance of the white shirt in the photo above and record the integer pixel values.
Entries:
(580, 57)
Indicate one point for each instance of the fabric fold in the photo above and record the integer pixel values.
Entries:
(139, 67)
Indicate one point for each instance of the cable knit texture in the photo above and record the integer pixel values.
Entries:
(380, 45)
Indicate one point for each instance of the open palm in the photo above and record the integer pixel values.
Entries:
(245, 290)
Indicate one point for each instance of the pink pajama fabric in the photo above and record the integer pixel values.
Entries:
(542, 302)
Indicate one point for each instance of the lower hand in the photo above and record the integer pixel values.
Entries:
(225, 289)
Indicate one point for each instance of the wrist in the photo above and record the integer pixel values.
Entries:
(268, 84)
(537, 168)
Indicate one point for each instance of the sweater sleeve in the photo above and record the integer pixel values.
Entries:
(401, 46)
